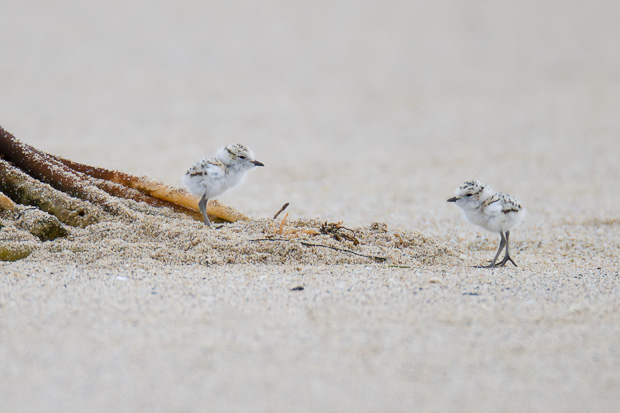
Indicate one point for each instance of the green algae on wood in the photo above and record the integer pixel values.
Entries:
(14, 252)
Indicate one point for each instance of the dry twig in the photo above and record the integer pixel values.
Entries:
(308, 244)
(281, 209)
(373, 257)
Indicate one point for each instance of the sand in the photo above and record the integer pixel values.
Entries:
(366, 114)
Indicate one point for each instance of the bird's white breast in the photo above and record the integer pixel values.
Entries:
(498, 213)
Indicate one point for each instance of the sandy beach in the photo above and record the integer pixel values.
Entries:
(368, 115)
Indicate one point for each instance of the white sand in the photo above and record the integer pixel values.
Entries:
(361, 114)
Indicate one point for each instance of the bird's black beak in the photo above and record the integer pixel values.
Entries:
(453, 199)
(257, 163)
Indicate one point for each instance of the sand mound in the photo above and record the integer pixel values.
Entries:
(170, 238)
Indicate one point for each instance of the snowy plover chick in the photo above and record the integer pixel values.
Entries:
(211, 177)
(495, 212)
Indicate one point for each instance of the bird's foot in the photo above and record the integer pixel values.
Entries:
(507, 258)
(214, 227)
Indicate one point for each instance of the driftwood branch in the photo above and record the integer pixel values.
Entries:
(24, 189)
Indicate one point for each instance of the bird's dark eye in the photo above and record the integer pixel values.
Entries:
(469, 195)
(241, 156)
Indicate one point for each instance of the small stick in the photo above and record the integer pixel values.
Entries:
(373, 257)
(281, 209)
(308, 244)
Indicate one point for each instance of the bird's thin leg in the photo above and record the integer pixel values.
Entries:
(499, 250)
(507, 256)
(202, 204)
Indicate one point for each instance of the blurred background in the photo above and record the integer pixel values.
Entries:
(361, 110)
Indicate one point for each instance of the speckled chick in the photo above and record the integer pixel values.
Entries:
(211, 177)
(493, 211)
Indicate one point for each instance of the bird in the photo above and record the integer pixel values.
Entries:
(493, 211)
(211, 177)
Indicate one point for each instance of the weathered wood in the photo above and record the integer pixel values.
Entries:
(25, 190)
(6, 203)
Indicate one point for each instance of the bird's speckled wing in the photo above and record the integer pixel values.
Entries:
(210, 167)
(493, 205)
(501, 203)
